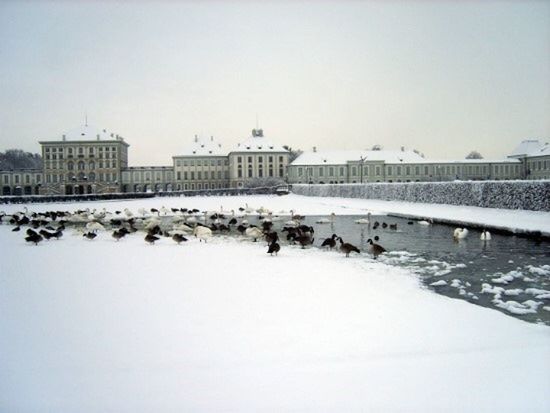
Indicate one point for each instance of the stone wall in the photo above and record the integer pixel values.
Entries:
(528, 195)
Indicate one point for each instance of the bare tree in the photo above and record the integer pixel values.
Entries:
(19, 159)
(293, 153)
(474, 155)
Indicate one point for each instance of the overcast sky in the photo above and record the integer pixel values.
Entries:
(442, 77)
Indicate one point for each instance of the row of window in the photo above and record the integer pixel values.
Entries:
(538, 165)
(79, 149)
(260, 172)
(17, 179)
(449, 170)
(202, 162)
(81, 166)
(260, 159)
(81, 176)
(199, 175)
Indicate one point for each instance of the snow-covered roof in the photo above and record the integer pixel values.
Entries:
(258, 143)
(202, 146)
(88, 133)
(338, 157)
(527, 148)
(462, 161)
(544, 150)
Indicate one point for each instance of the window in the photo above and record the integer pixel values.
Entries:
(80, 166)
(353, 171)
(185, 175)
(389, 170)
(250, 159)
(300, 172)
(192, 175)
(341, 171)
(199, 175)
(408, 170)
(250, 172)
(70, 166)
(239, 159)
(331, 171)
(321, 171)
(398, 170)
(178, 175)
(426, 170)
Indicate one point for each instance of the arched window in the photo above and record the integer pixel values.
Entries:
(91, 176)
(80, 166)
(70, 166)
(92, 165)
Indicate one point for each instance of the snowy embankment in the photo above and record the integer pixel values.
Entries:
(531, 195)
(124, 326)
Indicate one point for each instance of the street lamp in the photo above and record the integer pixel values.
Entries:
(362, 160)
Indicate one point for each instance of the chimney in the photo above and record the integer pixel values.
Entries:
(64, 137)
(211, 138)
(402, 149)
(315, 149)
(196, 138)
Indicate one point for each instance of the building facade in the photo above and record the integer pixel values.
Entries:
(89, 160)
(528, 161)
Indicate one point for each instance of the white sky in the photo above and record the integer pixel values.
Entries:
(442, 77)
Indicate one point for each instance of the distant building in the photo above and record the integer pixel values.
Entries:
(88, 160)
(257, 158)
(531, 160)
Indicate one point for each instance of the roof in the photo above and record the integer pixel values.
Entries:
(202, 146)
(544, 150)
(527, 148)
(258, 143)
(339, 157)
(89, 133)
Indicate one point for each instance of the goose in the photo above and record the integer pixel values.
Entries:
(149, 238)
(16, 229)
(46, 234)
(485, 235)
(34, 238)
(376, 225)
(393, 226)
(274, 247)
(119, 234)
(347, 248)
(254, 233)
(330, 242)
(202, 233)
(178, 238)
(89, 235)
(304, 239)
(270, 237)
(460, 233)
(384, 225)
(375, 249)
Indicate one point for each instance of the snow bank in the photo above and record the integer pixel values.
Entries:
(526, 195)
(124, 326)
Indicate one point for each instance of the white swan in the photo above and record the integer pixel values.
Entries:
(485, 235)
(202, 232)
(362, 221)
(424, 222)
(254, 233)
(460, 233)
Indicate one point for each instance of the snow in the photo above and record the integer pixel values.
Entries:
(203, 146)
(341, 157)
(129, 327)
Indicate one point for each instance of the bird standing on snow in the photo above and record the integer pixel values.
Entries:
(151, 239)
(202, 232)
(274, 247)
(330, 242)
(375, 249)
(347, 248)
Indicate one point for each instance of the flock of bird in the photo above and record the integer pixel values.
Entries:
(180, 223)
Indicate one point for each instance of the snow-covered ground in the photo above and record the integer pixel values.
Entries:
(95, 326)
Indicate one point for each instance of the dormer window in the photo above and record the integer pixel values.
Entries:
(271, 147)
(248, 147)
(194, 152)
(202, 145)
(259, 147)
(209, 151)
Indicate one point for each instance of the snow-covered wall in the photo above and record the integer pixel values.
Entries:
(529, 195)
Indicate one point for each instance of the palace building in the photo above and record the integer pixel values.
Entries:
(88, 160)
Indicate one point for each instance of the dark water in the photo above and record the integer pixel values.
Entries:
(505, 273)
